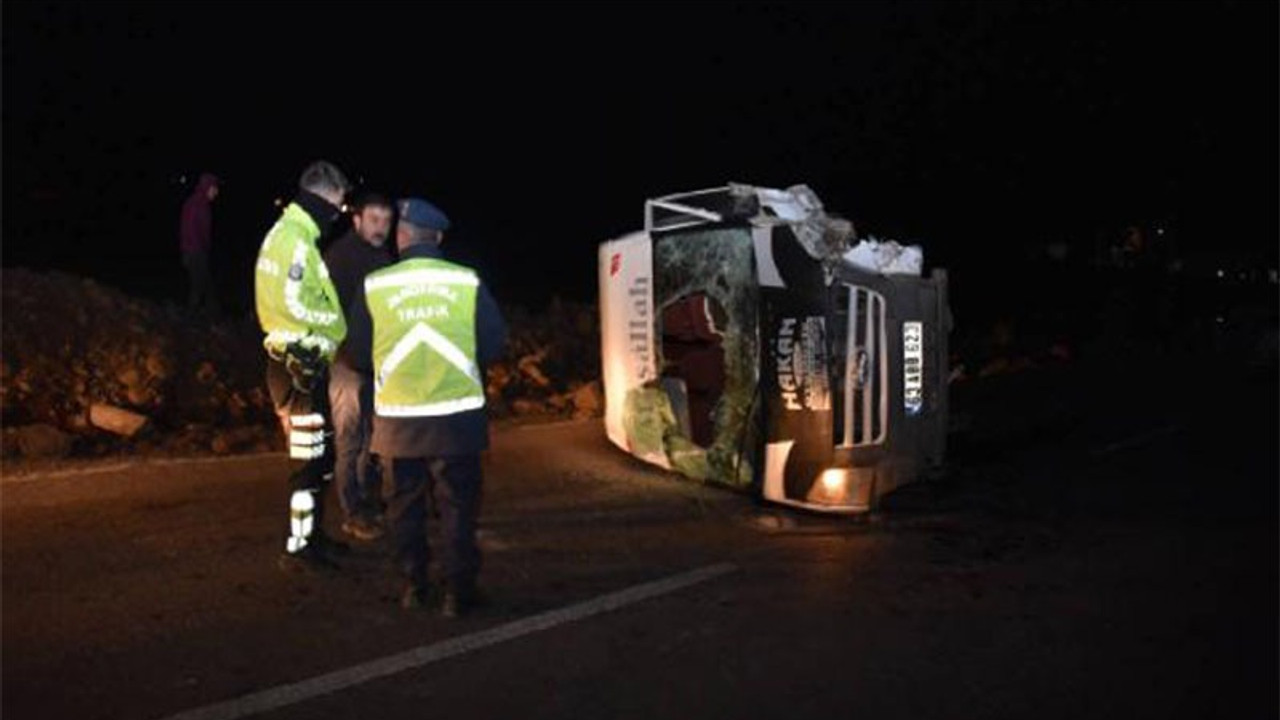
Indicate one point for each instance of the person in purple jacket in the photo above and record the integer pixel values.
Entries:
(195, 238)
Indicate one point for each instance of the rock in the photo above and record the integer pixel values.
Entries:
(221, 444)
(499, 377)
(498, 407)
(206, 373)
(42, 441)
(529, 367)
(236, 407)
(259, 399)
(138, 396)
(526, 407)
(9, 443)
(588, 401)
(130, 378)
(153, 371)
(158, 366)
(239, 439)
(116, 420)
(771, 521)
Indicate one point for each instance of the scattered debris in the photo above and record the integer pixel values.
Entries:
(117, 420)
(41, 441)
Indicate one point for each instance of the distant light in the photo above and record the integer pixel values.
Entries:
(345, 208)
(1159, 231)
(1222, 273)
(279, 202)
(1220, 319)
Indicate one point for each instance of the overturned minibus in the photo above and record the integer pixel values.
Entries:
(746, 341)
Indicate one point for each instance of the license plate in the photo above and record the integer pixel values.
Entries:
(913, 367)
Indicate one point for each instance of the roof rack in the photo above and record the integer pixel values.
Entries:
(687, 209)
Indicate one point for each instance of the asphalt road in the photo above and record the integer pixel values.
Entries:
(1096, 559)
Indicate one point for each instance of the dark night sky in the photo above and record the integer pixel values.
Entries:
(970, 127)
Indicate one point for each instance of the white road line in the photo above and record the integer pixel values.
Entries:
(128, 465)
(285, 695)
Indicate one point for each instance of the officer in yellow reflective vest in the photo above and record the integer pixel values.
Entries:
(426, 328)
(301, 314)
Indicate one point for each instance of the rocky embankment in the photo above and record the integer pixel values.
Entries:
(86, 370)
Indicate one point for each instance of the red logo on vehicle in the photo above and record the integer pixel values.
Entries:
(615, 264)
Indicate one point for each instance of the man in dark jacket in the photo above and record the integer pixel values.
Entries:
(357, 472)
(195, 239)
(426, 328)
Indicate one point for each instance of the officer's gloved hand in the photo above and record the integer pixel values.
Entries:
(305, 366)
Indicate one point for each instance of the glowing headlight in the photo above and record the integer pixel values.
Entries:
(834, 479)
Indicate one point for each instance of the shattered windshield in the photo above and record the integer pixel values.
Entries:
(716, 264)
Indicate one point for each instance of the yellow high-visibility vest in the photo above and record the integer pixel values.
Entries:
(424, 338)
(296, 300)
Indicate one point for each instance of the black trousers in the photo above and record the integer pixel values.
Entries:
(314, 473)
(201, 296)
(454, 482)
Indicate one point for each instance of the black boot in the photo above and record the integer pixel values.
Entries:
(415, 597)
(329, 546)
(461, 599)
(308, 561)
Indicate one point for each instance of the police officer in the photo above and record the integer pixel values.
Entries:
(299, 310)
(431, 327)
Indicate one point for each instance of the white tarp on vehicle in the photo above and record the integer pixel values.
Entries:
(886, 257)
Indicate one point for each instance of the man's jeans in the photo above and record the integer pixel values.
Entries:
(357, 472)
